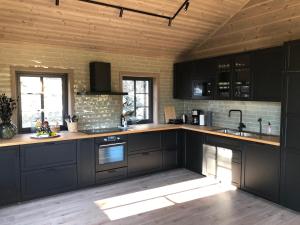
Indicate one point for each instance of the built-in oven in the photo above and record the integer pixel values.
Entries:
(111, 153)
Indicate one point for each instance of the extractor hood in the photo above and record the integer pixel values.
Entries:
(100, 80)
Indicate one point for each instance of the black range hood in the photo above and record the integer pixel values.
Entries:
(100, 80)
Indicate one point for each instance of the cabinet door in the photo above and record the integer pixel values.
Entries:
(145, 162)
(290, 194)
(48, 181)
(262, 170)
(9, 175)
(144, 141)
(169, 146)
(182, 86)
(170, 158)
(267, 67)
(38, 156)
(194, 146)
(86, 162)
(293, 56)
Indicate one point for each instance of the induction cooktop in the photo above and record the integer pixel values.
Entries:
(102, 130)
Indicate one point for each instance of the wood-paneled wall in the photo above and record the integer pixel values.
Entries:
(81, 25)
(260, 24)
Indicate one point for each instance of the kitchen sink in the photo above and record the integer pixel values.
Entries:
(236, 132)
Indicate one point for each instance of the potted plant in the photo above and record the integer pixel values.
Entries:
(7, 107)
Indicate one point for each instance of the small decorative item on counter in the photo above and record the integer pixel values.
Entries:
(55, 128)
(7, 106)
(72, 122)
(269, 130)
(43, 130)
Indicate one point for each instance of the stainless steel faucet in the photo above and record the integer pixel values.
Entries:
(241, 124)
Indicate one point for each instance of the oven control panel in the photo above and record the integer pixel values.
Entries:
(111, 139)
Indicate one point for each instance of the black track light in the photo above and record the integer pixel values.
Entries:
(121, 12)
(56, 2)
(186, 6)
(170, 22)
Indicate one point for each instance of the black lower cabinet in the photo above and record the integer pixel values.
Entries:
(85, 162)
(170, 149)
(145, 162)
(194, 151)
(262, 170)
(49, 181)
(9, 175)
(111, 175)
(290, 193)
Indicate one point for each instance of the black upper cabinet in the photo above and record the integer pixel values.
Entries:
(242, 77)
(223, 88)
(194, 151)
(293, 56)
(262, 170)
(9, 175)
(267, 67)
(182, 88)
(86, 162)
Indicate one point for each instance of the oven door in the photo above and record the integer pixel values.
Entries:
(111, 156)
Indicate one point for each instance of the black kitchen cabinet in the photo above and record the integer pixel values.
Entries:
(242, 77)
(86, 162)
(9, 175)
(262, 170)
(193, 151)
(37, 156)
(170, 149)
(144, 141)
(48, 181)
(182, 86)
(145, 162)
(267, 66)
(290, 182)
(224, 78)
(292, 50)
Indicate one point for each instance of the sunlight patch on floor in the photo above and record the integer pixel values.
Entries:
(156, 198)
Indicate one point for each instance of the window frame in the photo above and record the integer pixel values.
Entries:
(65, 100)
(151, 96)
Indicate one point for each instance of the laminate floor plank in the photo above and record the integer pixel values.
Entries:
(176, 197)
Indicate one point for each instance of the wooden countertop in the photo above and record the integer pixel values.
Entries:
(23, 139)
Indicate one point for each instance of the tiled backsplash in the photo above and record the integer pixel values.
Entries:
(98, 111)
(268, 111)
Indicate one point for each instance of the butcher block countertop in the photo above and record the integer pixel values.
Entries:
(24, 139)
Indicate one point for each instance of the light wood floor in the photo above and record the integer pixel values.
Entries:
(176, 197)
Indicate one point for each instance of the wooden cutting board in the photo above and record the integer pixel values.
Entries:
(169, 113)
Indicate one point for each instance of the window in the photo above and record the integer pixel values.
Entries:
(138, 104)
(41, 96)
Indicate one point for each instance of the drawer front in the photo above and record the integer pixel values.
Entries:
(111, 175)
(170, 159)
(144, 141)
(48, 181)
(222, 142)
(38, 156)
(143, 163)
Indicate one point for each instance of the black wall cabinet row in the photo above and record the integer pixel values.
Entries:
(255, 76)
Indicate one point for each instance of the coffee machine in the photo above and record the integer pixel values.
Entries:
(201, 118)
(196, 113)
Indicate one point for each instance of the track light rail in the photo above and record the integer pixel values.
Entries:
(122, 9)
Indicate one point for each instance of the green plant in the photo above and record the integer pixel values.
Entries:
(7, 107)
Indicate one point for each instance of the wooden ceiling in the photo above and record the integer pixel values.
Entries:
(82, 25)
(260, 24)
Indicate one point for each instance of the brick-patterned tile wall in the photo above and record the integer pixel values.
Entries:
(94, 111)
(268, 111)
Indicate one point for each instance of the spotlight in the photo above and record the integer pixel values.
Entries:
(121, 12)
(187, 6)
